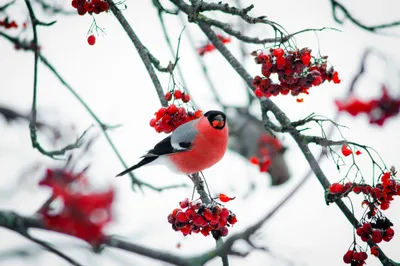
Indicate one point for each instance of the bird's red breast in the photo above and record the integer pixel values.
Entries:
(208, 148)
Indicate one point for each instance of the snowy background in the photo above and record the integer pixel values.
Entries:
(111, 78)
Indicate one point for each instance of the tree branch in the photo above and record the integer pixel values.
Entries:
(143, 53)
(103, 127)
(268, 105)
(336, 5)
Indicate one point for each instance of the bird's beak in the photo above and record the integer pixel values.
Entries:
(218, 121)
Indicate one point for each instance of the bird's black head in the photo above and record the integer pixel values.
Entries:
(217, 119)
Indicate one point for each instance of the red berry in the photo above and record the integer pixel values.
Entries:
(224, 212)
(181, 217)
(346, 151)
(161, 112)
(357, 256)
(175, 211)
(153, 122)
(306, 58)
(91, 40)
(348, 257)
(357, 189)
(385, 178)
(360, 231)
(168, 96)
(375, 251)
(178, 94)
(222, 221)
(186, 230)
(184, 203)
(335, 77)
(198, 114)
(278, 52)
(363, 255)
(336, 188)
(206, 230)
(207, 214)
(224, 231)
(254, 160)
(258, 93)
(185, 98)
(225, 198)
(367, 228)
(198, 220)
(376, 236)
(171, 219)
(172, 109)
(88, 7)
(190, 213)
(389, 231)
(232, 219)
(280, 62)
(385, 205)
(317, 81)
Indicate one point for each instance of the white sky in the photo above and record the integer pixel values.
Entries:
(113, 81)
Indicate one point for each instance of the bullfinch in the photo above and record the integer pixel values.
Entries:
(192, 147)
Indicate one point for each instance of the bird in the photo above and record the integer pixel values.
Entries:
(192, 147)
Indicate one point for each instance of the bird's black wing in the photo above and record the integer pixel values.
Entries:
(164, 147)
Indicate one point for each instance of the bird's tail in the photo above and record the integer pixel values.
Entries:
(145, 161)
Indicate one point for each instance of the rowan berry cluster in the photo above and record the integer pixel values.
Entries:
(91, 6)
(267, 146)
(355, 258)
(210, 47)
(197, 217)
(8, 24)
(169, 118)
(26, 46)
(379, 229)
(83, 214)
(346, 150)
(263, 162)
(374, 224)
(297, 72)
(377, 110)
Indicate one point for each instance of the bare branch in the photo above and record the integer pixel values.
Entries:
(336, 5)
(5, 6)
(141, 50)
(268, 105)
(51, 249)
(103, 126)
(202, 63)
(32, 124)
(54, 9)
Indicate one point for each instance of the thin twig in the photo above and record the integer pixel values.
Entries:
(268, 105)
(143, 53)
(32, 124)
(172, 51)
(103, 127)
(336, 5)
(51, 249)
(201, 62)
(5, 6)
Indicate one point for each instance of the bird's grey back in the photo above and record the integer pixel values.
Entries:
(184, 135)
